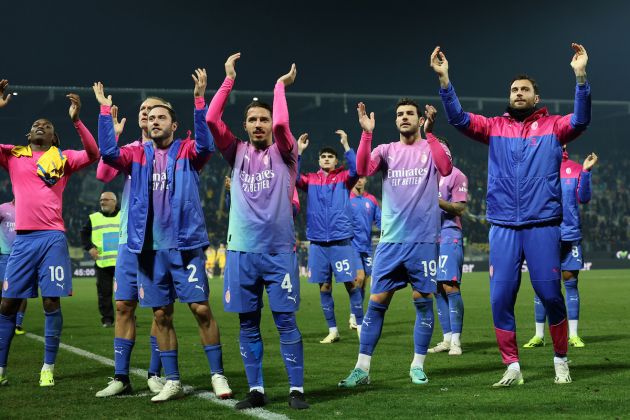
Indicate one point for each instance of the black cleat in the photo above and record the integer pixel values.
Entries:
(297, 401)
(252, 400)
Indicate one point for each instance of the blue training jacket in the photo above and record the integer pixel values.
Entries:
(576, 189)
(185, 159)
(524, 157)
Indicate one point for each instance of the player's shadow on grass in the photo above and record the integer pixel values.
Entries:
(594, 339)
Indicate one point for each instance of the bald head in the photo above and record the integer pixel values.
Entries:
(108, 202)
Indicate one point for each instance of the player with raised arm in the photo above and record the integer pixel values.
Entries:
(125, 282)
(261, 235)
(523, 201)
(329, 229)
(576, 189)
(453, 194)
(166, 228)
(366, 212)
(408, 250)
(39, 173)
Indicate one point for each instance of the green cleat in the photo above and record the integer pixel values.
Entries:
(4, 381)
(19, 330)
(418, 376)
(576, 341)
(356, 377)
(535, 341)
(46, 378)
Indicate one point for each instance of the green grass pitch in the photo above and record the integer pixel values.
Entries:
(459, 387)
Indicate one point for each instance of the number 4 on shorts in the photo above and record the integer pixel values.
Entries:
(286, 283)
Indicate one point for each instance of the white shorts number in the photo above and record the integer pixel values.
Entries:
(443, 259)
(286, 283)
(56, 273)
(193, 271)
(430, 268)
(574, 252)
(368, 261)
(343, 265)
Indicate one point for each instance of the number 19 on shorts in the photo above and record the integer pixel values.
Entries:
(429, 268)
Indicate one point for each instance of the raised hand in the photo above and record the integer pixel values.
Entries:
(99, 92)
(429, 118)
(227, 183)
(4, 99)
(367, 122)
(589, 162)
(439, 64)
(302, 143)
(579, 60)
(343, 139)
(289, 78)
(201, 81)
(119, 126)
(229, 65)
(75, 106)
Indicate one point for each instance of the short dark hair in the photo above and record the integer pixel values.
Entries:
(328, 150)
(443, 140)
(408, 101)
(524, 76)
(170, 110)
(257, 104)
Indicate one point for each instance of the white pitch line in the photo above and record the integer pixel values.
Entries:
(260, 413)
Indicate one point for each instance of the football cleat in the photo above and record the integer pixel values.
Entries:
(535, 341)
(357, 377)
(456, 350)
(114, 387)
(510, 377)
(352, 322)
(418, 376)
(576, 341)
(330, 338)
(172, 391)
(46, 378)
(19, 330)
(221, 387)
(4, 381)
(252, 400)
(440, 347)
(156, 384)
(562, 373)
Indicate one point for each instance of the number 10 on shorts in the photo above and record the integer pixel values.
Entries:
(56, 273)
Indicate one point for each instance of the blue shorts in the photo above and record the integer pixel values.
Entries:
(38, 257)
(126, 275)
(3, 265)
(539, 245)
(247, 273)
(571, 258)
(396, 264)
(363, 261)
(451, 260)
(324, 259)
(166, 274)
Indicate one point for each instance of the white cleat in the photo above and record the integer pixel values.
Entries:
(510, 377)
(562, 373)
(330, 338)
(172, 391)
(221, 387)
(441, 346)
(456, 350)
(352, 322)
(114, 387)
(156, 384)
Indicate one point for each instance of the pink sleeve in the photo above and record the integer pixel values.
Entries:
(105, 173)
(368, 162)
(479, 128)
(459, 192)
(5, 153)
(225, 140)
(296, 200)
(441, 155)
(564, 130)
(281, 131)
(302, 182)
(79, 159)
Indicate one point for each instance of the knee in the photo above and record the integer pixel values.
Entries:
(51, 304)
(125, 309)
(570, 275)
(287, 327)
(325, 287)
(202, 312)
(163, 317)
(9, 306)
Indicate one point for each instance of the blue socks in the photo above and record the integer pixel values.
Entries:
(19, 319)
(328, 306)
(215, 358)
(573, 298)
(456, 312)
(169, 362)
(7, 330)
(356, 304)
(291, 347)
(423, 329)
(539, 310)
(372, 327)
(442, 304)
(122, 355)
(155, 365)
(53, 324)
(251, 348)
